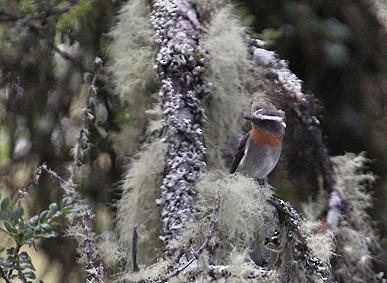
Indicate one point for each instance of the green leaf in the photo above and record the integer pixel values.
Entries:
(57, 214)
(5, 204)
(17, 214)
(10, 251)
(53, 211)
(33, 221)
(24, 257)
(66, 202)
(45, 226)
(10, 228)
(53, 207)
(69, 20)
(43, 216)
(30, 275)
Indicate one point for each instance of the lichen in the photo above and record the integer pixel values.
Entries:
(137, 206)
(229, 99)
(180, 63)
(132, 55)
(244, 212)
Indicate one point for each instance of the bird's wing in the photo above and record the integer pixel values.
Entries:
(239, 153)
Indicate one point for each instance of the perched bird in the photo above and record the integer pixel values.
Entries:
(260, 149)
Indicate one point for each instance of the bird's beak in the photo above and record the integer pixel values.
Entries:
(248, 118)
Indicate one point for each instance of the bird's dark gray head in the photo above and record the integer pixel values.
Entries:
(270, 121)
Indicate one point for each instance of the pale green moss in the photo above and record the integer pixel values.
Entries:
(355, 238)
(243, 212)
(352, 183)
(111, 253)
(131, 62)
(141, 188)
(146, 273)
(133, 51)
(228, 99)
(242, 269)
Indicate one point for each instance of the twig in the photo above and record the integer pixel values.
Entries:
(3, 275)
(82, 137)
(53, 174)
(95, 270)
(176, 272)
(134, 249)
(33, 181)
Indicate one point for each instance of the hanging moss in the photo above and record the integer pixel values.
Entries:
(140, 189)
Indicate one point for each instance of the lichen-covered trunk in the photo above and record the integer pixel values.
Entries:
(179, 64)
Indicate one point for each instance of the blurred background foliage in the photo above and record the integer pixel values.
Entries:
(47, 49)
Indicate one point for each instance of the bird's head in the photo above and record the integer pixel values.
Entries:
(269, 121)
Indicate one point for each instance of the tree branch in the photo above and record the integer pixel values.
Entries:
(296, 243)
(180, 64)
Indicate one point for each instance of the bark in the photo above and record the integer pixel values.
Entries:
(180, 63)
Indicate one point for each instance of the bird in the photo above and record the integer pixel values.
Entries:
(259, 150)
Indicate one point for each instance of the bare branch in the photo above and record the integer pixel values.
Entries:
(94, 267)
(83, 134)
(95, 270)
